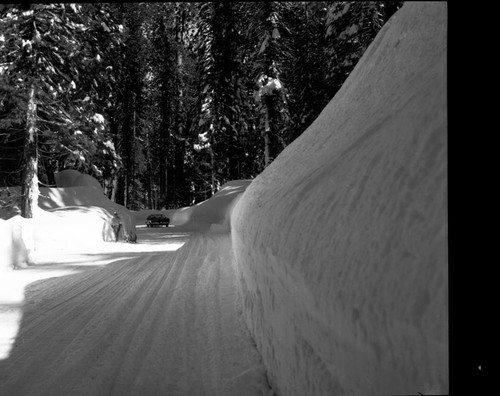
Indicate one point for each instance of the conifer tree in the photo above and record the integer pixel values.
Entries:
(43, 54)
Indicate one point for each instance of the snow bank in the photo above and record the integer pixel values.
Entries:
(73, 178)
(86, 199)
(214, 213)
(13, 252)
(73, 225)
(75, 215)
(341, 243)
(81, 195)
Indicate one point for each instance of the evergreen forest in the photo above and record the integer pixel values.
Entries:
(163, 103)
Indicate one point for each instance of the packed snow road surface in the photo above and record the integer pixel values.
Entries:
(161, 317)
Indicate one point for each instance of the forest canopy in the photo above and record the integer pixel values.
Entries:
(165, 102)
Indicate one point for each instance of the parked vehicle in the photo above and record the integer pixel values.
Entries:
(157, 220)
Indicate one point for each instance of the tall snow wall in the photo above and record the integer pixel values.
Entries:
(341, 243)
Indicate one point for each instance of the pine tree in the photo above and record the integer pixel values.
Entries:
(39, 53)
(165, 102)
(269, 91)
(56, 83)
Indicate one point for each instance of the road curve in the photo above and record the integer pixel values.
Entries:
(145, 323)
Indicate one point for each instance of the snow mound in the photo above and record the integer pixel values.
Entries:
(75, 215)
(13, 252)
(341, 243)
(85, 199)
(83, 193)
(214, 213)
(72, 226)
(56, 197)
(73, 178)
(78, 206)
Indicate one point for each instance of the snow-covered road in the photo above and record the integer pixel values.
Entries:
(161, 317)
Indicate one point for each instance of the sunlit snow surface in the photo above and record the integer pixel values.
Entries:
(70, 233)
(52, 260)
(162, 316)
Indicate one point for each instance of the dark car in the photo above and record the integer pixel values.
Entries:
(157, 220)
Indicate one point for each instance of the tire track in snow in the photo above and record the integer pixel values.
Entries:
(112, 345)
(79, 321)
(145, 337)
(162, 323)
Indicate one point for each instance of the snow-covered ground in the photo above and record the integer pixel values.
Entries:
(70, 216)
(86, 316)
(341, 243)
(162, 316)
(334, 260)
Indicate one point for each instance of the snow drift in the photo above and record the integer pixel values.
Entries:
(86, 200)
(13, 252)
(80, 209)
(341, 243)
(73, 178)
(213, 213)
(75, 210)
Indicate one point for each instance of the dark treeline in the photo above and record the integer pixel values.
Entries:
(165, 102)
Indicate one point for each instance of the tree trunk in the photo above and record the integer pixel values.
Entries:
(30, 190)
(149, 191)
(120, 188)
(133, 199)
(267, 140)
(114, 186)
(49, 171)
(212, 163)
(163, 197)
(125, 199)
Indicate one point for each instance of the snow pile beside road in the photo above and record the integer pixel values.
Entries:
(84, 191)
(86, 200)
(341, 243)
(73, 178)
(80, 200)
(73, 217)
(69, 227)
(13, 252)
(214, 213)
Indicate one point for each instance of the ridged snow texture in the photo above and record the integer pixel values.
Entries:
(341, 244)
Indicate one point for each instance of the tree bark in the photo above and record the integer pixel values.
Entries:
(114, 186)
(265, 134)
(212, 166)
(30, 190)
(49, 171)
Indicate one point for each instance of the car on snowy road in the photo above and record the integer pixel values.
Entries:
(157, 220)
